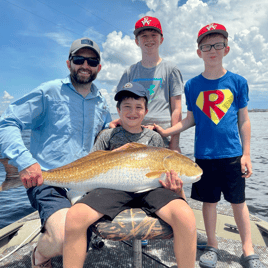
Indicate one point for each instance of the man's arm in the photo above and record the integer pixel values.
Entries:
(21, 115)
(245, 134)
(11, 142)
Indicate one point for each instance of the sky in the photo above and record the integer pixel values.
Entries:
(36, 37)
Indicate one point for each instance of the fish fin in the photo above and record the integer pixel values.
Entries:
(74, 196)
(79, 161)
(12, 176)
(131, 145)
(97, 154)
(155, 174)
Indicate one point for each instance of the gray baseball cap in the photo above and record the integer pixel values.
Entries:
(84, 42)
(135, 88)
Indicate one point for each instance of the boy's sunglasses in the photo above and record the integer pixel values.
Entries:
(217, 46)
(79, 60)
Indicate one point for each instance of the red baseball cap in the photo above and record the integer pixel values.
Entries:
(211, 28)
(148, 23)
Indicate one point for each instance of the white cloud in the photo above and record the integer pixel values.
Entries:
(94, 35)
(110, 99)
(7, 96)
(60, 38)
(5, 101)
(118, 53)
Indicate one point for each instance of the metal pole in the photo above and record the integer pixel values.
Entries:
(137, 254)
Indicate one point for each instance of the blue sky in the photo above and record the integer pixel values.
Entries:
(36, 37)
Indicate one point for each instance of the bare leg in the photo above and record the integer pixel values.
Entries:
(241, 215)
(180, 217)
(78, 219)
(210, 220)
(50, 243)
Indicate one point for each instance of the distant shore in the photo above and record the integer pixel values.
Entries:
(251, 111)
(258, 110)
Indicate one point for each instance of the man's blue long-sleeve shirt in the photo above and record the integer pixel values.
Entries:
(63, 125)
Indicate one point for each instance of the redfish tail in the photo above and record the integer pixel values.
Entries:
(12, 176)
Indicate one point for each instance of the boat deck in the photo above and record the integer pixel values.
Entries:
(158, 253)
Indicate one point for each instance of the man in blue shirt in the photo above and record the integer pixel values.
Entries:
(64, 117)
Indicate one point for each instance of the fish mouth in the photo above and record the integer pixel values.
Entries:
(190, 179)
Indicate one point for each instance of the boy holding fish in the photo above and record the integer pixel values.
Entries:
(167, 202)
(217, 104)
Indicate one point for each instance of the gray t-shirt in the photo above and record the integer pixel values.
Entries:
(110, 139)
(163, 82)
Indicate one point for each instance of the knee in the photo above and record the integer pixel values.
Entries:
(77, 219)
(183, 219)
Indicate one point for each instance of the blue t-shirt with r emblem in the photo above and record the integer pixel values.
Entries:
(215, 105)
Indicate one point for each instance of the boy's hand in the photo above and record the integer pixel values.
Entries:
(160, 130)
(173, 182)
(115, 123)
(31, 176)
(246, 166)
(151, 127)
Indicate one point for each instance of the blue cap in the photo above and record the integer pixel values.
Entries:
(135, 88)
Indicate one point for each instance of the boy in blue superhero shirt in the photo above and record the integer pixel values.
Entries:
(217, 105)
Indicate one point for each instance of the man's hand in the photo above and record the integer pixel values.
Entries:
(173, 183)
(31, 176)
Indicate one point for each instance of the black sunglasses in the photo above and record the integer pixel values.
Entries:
(79, 60)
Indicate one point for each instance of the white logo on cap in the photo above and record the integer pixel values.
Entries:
(146, 20)
(128, 85)
(211, 26)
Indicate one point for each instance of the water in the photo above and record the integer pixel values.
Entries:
(15, 204)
